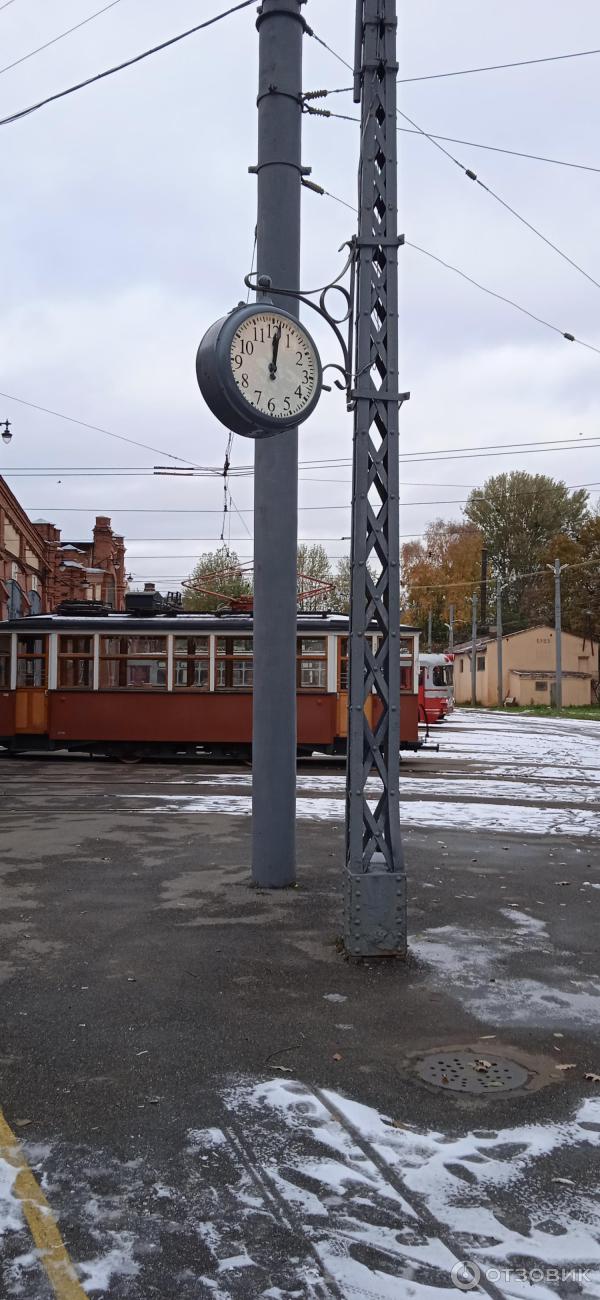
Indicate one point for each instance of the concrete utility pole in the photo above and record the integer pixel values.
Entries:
(375, 883)
(451, 630)
(281, 28)
(499, 646)
(558, 569)
(429, 630)
(474, 650)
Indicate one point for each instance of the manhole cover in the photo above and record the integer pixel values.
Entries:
(466, 1072)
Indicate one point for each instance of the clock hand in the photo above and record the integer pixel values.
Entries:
(273, 362)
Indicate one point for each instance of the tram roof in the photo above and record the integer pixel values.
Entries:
(182, 623)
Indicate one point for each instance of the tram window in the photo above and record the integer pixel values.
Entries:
(344, 676)
(191, 667)
(75, 662)
(133, 662)
(406, 679)
(437, 675)
(311, 671)
(4, 661)
(449, 676)
(234, 666)
(31, 661)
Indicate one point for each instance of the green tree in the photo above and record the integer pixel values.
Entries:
(339, 600)
(314, 573)
(580, 582)
(217, 578)
(518, 514)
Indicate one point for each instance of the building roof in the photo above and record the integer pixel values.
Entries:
(483, 642)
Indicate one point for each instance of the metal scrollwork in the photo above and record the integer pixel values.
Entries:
(262, 285)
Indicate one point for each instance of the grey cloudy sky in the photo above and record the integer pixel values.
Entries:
(126, 228)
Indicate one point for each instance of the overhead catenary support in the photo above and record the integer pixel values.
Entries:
(375, 882)
(279, 173)
(558, 569)
(451, 630)
(499, 645)
(474, 650)
(429, 630)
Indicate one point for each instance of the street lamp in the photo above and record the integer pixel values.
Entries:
(6, 433)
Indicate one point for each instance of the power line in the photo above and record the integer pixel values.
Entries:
(566, 334)
(60, 37)
(471, 144)
(462, 72)
(498, 67)
(502, 298)
(472, 176)
(6, 4)
(119, 67)
(96, 428)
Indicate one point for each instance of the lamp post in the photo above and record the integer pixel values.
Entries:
(6, 433)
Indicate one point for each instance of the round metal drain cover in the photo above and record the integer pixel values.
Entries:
(466, 1072)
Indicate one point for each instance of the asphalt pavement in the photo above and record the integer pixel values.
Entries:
(213, 1101)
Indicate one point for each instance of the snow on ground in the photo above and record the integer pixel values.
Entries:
(517, 775)
(392, 1210)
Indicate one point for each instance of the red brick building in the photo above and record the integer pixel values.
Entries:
(38, 570)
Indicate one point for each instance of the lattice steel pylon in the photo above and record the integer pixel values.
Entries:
(375, 881)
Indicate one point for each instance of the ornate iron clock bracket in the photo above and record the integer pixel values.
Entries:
(262, 285)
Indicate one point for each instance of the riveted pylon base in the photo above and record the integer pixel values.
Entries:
(375, 913)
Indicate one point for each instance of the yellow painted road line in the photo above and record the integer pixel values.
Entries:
(42, 1224)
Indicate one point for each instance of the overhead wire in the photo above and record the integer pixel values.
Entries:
(463, 72)
(24, 57)
(472, 176)
(119, 67)
(451, 139)
(566, 334)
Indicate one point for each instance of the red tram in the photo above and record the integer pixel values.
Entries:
(121, 685)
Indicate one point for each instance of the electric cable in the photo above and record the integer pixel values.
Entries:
(451, 139)
(472, 176)
(566, 334)
(60, 37)
(462, 72)
(119, 67)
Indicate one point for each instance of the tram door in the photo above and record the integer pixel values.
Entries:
(31, 707)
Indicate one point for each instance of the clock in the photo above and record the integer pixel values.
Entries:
(259, 371)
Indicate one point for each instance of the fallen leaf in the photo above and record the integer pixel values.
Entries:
(483, 1037)
(570, 1181)
(336, 1056)
(562, 882)
(445, 1078)
(22, 1123)
(558, 1035)
(482, 1065)
(572, 1066)
(592, 1078)
(285, 1069)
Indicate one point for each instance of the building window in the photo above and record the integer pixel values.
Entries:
(4, 662)
(344, 678)
(481, 663)
(31, 661)
(34, 583)
(191, 664)
(462, 665)
(311, 663)
(406, 665)
(234, 663)
(133, 663)
(75, 662)
(541, 686)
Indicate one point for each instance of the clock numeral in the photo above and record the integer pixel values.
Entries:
(258, 394)
(271, 405)
(299, 358)
(244, 381)
(298, 390)
(238, 361)
(287, 340)
(305, 376)
(287, 405)
(248, 346)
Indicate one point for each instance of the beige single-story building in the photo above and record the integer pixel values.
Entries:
(528, 669)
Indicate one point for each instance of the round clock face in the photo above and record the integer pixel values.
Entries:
(274, 365)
